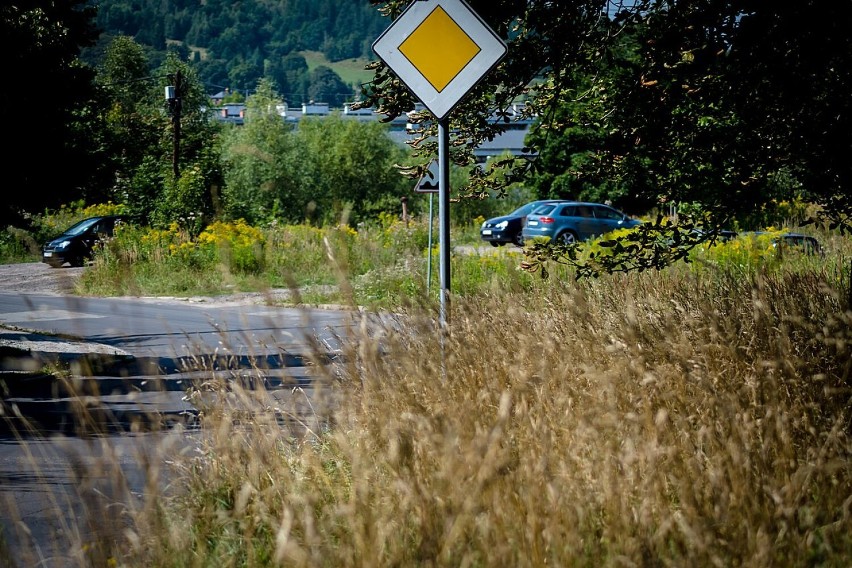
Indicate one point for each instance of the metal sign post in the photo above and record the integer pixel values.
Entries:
(429, 184)
(429, 259)
(444, 215)
(440, 49)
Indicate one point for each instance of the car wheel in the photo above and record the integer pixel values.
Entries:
(519, 239)
(567, 238)
(496, 244)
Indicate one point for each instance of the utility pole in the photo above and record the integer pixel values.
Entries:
(173, 97)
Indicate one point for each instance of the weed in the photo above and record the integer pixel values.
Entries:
(652, 419)
(693, 416)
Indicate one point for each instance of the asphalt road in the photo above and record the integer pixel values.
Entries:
(146, 327)
(139, 355)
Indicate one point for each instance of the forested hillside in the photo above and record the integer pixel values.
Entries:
(233, 44)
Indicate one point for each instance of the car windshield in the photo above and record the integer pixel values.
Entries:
(524, 210)
(81, 227)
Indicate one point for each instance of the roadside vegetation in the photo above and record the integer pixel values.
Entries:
(668, 418)
(380, 264)
(696, 415)
(649, 398)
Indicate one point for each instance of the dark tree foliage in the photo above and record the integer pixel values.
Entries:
(247, 34)
(190, 199)
(42, 105)
(127, 129)
(727, 104)
(295, 73)
(571, 141)
(135, 137)
(728, 100)
(326, 86)
(795, 75)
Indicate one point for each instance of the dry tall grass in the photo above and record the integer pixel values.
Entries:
(639, 420)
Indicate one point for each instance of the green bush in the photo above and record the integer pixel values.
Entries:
(53, 222)
(379, 264)
(239, 246)
(18, 244)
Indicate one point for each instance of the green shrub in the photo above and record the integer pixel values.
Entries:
(145, 261)
(380, 264)
(239, 246)
(19, 244)
(750, 252)
(51, 223)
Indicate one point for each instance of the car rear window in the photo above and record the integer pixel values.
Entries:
(544, 210)
(564, 210)
(523, 210)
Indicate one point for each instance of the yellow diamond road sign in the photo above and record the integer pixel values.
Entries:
(439, 49)
(439, 61)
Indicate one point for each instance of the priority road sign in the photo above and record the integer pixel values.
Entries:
(440, 49)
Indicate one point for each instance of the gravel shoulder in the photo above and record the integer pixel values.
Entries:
(38, 278)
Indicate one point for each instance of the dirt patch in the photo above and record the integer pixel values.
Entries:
(38, 278)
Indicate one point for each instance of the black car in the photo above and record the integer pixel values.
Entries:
(722, 235)
(794, 241)
(75, 246)
(803, 243)
(507, 229)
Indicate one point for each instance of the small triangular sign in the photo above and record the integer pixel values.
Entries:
(429, 182)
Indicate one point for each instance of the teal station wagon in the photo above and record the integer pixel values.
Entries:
(572, 221)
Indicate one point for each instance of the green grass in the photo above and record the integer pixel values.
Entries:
(351, 71)
(379, 266)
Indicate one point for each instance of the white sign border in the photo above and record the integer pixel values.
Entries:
(492, 49)
(431, 177)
